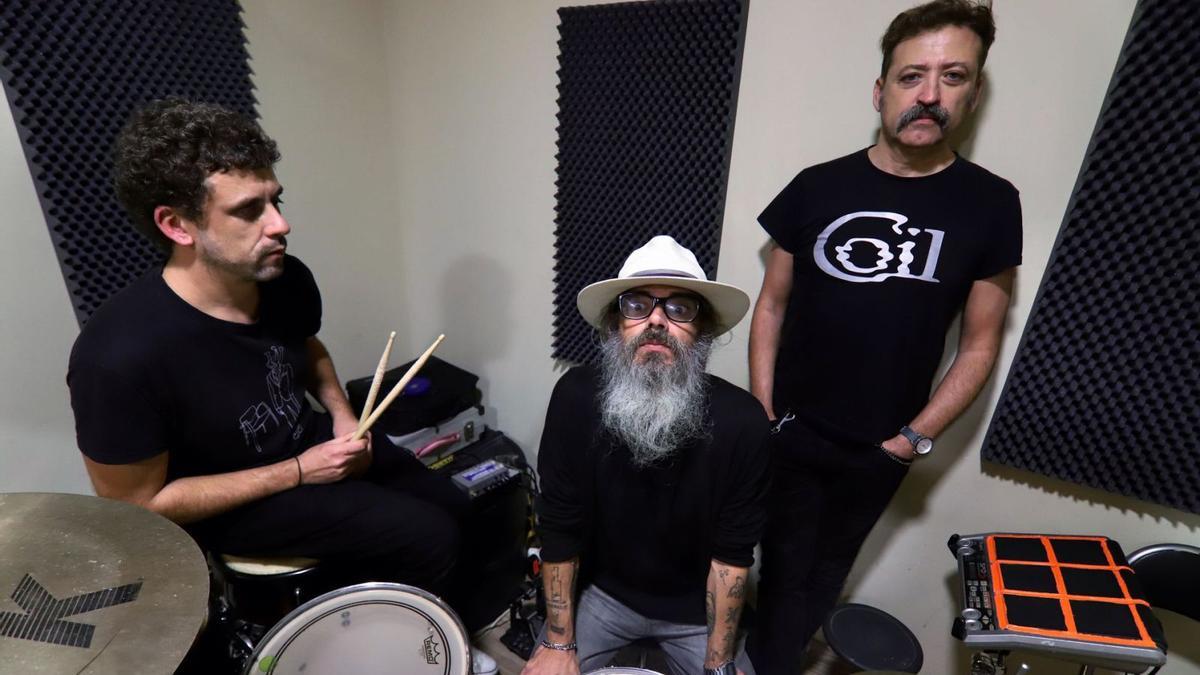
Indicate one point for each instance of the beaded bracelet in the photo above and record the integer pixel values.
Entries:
(568, 647)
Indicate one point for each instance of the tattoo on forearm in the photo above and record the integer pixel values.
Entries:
(738, 590)
(556, 590)
(560, 595)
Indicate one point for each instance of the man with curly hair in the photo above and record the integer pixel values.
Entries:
(189, 386)
(872, 257)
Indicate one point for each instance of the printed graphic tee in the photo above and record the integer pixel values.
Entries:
(150, 373)
(881, 266)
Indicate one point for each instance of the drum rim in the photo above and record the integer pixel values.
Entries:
(619, 669)
(345, 590)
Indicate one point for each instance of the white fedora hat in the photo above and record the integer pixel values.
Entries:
(663, 262)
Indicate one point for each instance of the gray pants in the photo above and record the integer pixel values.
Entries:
(603, 626)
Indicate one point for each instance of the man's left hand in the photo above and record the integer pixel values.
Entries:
(899, 446)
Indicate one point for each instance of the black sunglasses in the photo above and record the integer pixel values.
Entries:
(637, 305)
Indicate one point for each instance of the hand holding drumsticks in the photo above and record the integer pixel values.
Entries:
(335, 459)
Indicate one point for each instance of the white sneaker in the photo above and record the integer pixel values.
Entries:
(482, 664)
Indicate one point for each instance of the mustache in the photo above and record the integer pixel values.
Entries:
(659, 336)
(934, 112)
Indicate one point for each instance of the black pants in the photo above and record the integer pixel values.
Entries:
(824, 498)
(399, 522)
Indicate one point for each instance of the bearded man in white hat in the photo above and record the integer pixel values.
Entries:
(652, 476)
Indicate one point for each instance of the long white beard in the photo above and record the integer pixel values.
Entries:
(653, 407)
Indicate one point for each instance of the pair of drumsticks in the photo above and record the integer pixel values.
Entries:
(369, 416)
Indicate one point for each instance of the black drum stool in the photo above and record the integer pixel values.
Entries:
(871, 639)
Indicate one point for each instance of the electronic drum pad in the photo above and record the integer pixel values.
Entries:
(368, 628)
(1074, 597)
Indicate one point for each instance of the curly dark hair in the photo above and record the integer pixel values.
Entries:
(935, 15)
(169, 147)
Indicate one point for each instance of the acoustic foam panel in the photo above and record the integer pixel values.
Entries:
(1105, 386)
(647, 97)
(73, 71)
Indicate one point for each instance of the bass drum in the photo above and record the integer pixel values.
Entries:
(367, 628)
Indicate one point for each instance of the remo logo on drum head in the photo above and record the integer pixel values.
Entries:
(368, 628)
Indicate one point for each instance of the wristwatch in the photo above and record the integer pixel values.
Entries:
(726, 668)
(922, 445)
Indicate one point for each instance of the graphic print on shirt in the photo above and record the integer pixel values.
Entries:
(262, 418)
(864, 249)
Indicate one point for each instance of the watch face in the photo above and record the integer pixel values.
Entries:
(924, 446)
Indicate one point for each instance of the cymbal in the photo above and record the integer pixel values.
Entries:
(92, 585)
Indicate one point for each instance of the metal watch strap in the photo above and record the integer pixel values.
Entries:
(912, 436)
(727, 668)
(921, 443)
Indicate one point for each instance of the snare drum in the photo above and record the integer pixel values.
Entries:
(368, 628)
(259, 591)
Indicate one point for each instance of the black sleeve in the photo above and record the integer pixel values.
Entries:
(117, 420)
(1004, 251)
(779, 219)
(562, 505)
(743, 515)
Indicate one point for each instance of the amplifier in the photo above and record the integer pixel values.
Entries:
(1072, 597)
(482, 477)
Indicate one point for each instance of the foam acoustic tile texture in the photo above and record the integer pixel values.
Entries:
(647, 97)
(73, 71)
(1105, 387)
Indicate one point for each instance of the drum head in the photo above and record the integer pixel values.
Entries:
(368, 628)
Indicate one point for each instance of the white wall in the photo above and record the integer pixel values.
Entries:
(37, 328)
(419, 139)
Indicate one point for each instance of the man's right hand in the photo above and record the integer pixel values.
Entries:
(332, 460)
(552, 662)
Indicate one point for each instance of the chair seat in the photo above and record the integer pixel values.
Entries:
(262, 566)
(871, 639)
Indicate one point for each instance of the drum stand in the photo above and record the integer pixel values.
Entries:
(994, 663)
(526, 615)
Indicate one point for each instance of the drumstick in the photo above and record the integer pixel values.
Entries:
(365, 426)
(375, 383)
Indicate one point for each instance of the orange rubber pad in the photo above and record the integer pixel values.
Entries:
(1066, 587)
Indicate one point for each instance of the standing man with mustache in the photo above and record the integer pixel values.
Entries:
(872, 257)
(652, 477)
(189, 386)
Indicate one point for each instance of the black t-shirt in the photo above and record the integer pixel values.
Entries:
(150, 373)
(648, 536)
(882, 264)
